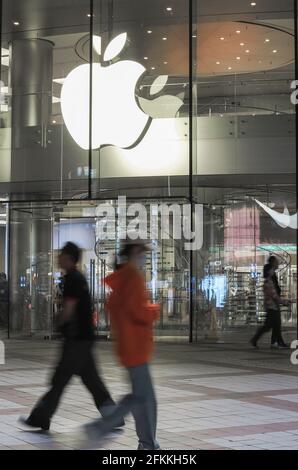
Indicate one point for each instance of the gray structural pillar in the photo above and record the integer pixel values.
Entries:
(31, 73)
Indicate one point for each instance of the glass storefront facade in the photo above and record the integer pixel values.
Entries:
(160, 101)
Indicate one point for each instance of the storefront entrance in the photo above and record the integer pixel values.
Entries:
(224, 280)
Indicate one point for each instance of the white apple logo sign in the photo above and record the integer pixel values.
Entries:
(116, 117)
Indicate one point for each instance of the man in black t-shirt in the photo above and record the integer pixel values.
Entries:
(75, 322)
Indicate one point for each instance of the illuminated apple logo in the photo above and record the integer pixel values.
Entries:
(117, 119)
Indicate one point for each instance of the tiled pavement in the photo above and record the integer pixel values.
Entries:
(223, 396)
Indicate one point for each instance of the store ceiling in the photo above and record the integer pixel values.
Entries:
(38, 14)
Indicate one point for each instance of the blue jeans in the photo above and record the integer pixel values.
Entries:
(143, 406)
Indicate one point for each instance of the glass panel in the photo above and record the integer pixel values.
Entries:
(30, 271)
(239, 236)
(246, 149)
(39, 157)
(166, 267)
(140, 99)
(3, 272)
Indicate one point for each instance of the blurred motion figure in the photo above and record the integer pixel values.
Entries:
(132, 318)
(75, 323)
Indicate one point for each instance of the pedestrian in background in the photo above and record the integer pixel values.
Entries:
(272, 302)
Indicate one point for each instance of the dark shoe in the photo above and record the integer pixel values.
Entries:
(107, 411)
(283, 346)
(45, 426)
(274, 346)
(254, 343)
(95, 430)
(141, 447)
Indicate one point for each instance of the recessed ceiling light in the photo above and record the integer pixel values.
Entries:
(238, 31)
(165, 62)
(241, 44)
(54, 122)
(169, 8)
(218, 63)
(152, 68)
(274, 51)
(253, 4)
(149, 31)
(267, 40)
(16, 23)
(164, 39)
(229, 68)
(238, 58)
(145, 58)
(222, 39)
(247, 51)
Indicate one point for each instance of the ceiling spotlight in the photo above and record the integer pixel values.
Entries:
(149, 31)
(247, 51)
(54, 122)
(164, 39)
(267, 40)
(218, 63)
(238, 31)
(169, 8)
(222, 39)
(165, 63)
(237, 58)
(253, 4)
(241, 44)
(152, 68)
(16, 23)
(229, 68)
(274, 51)
(145, 58)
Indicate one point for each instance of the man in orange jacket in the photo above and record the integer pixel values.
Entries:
(132, 319)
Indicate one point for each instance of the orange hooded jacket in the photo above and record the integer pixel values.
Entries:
(131, 315)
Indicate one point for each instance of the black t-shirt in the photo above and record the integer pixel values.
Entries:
(3, 291)
(80, 326)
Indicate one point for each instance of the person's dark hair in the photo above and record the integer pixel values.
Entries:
(271, 260)
(72, 250)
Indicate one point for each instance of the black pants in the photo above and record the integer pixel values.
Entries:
(76, 359)
(272, 321)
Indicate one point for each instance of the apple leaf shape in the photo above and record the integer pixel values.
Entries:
(158, 84)
(115, 47)
(166, 106)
